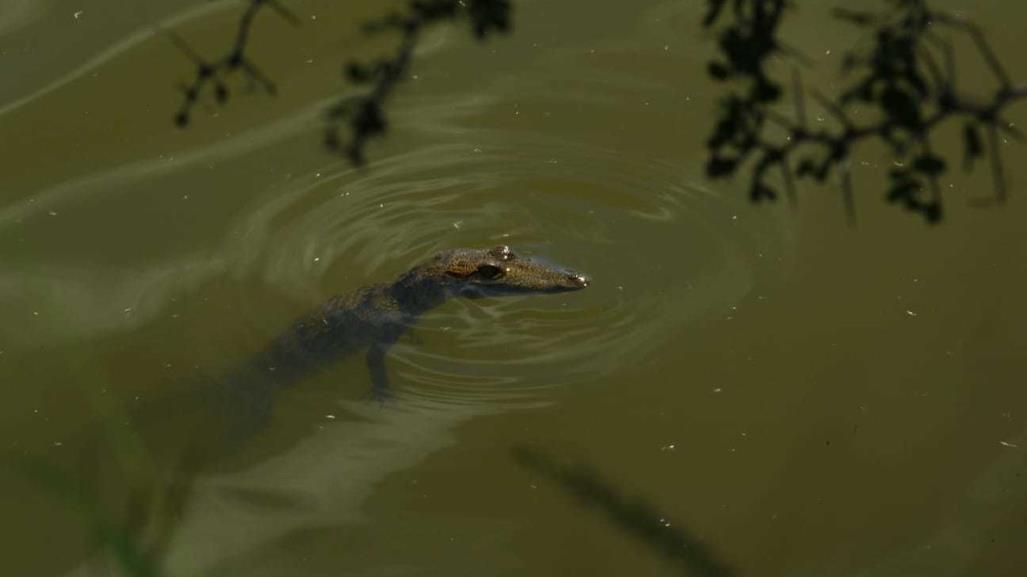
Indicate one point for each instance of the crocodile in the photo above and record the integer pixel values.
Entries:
(374, 318)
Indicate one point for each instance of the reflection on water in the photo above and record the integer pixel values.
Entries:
(709, 362)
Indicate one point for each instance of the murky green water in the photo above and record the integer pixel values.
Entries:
(750, 388)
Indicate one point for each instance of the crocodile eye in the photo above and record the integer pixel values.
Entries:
(502, 253)
(490, 272)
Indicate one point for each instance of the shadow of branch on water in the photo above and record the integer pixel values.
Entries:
(633, 515)
(353, 119)
(217, 72)
(363, 115)
(898, 91)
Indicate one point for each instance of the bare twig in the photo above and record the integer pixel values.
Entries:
(363, 115)
(217, 72)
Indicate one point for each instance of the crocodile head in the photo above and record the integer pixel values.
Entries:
(498, 271)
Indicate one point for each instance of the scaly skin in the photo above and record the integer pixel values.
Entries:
(376, 316)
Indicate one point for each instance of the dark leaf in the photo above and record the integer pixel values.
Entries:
(718, 166)
(489, 16)
(929, 164)
(713, 9)
(918, 82)
(369, 120)
(904, 191)
(932, 212)
(766, 91)
(718, 70)
(972, 147)
(901, 107)
(357, 72)
(807, 167)
(822, 172)
(760, 192)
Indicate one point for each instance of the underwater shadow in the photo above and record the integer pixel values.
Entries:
(632, 515)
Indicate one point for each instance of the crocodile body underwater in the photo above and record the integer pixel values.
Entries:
(377, 315)
(374, 318)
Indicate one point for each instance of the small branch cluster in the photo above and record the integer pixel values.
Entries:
(363, 115)
(908, 77)
(216, 73)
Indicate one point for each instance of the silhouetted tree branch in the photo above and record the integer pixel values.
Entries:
(907, 77)
(361, 115)
(364, 114)
(215, 73)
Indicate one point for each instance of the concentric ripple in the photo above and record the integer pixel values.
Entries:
(341, 228)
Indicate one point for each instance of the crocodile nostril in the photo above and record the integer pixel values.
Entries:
(579, 280)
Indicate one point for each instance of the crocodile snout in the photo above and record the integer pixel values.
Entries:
(578, 281)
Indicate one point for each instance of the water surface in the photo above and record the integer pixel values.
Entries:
(788, 395)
